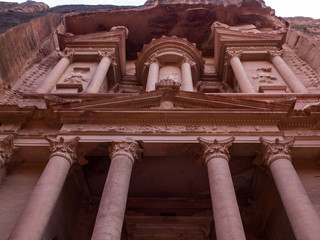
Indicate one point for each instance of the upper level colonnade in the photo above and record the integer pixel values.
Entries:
(244, 63)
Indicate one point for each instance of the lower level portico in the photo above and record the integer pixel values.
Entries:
(169, 189)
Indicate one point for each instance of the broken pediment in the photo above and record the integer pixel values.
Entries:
(167, 99)
(249, 39)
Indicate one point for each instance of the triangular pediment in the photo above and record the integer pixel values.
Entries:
(172, 101)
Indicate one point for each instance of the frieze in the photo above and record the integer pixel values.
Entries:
(155, 129)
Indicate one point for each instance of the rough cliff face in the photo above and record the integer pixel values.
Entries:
(26, 7)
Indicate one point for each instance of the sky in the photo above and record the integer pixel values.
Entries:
(284, 8)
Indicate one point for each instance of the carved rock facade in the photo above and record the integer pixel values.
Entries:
(167, 83)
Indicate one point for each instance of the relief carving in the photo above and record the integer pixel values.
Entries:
(215, 149)
(78, 76)
(128, 148)
(6, 150)
(274, 150)
(64, 148)
(264, 76)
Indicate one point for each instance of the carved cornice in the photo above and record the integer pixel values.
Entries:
(127, 148)
(215, 149)
(64, 148)
(6, 150)
(274, 150)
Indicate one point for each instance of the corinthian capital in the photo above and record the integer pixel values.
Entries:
(275, 53)
(188, 60)
(6, 150)
(274, 150)
(64, 148)
(128, 148)
(67, 53)
(153, 58)
(215, 149)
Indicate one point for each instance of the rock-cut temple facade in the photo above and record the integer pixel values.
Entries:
(175, 120)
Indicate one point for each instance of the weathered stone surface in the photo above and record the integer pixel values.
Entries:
(303, 37)
(24, 45)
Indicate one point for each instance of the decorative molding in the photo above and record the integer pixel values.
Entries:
(127, 148)
(274, 150)
(63, 148)
(215, 149)
(6, 150)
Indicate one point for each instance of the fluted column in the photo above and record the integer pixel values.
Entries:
(302, 216)
(109, 220)
(288, 76)
(56, 73)
(6, 151)
(186, 75)
(243, 80)
(153, 74)
(38, 210)
(225, 208)
(101, 72)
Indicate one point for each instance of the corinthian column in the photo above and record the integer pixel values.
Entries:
(56, 72)
(239, 71)
(6, 151)
(37, 212)
(101, 72)
(186, 75)
(226, 213)
(109, 220)
(303, 218)
(153, 74)
(288, 76)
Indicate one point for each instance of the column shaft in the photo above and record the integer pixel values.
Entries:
(100, 74)
(226, 213)
(288, 76)
(303, 218)
(109, 220)
(54, 75)
(113, 202)
(241, 75)
(187, 84)
(153, 76)
(227, 219)
(36, 214)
